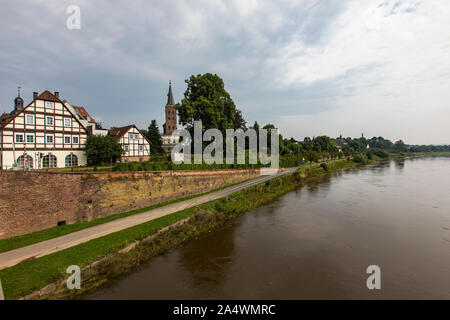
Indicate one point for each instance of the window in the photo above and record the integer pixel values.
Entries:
(30, 138)
(29, 119)
(49, 138)
(49, 120)
(141, 147)
(125, 148)
(67, 139)
(67, 122)
(71, 160)
(75, 139)
(19, 137)
(25, 162)
(49, 161)
(134, 136)
(49, 105)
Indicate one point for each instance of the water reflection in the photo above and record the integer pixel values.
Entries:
(399, 163)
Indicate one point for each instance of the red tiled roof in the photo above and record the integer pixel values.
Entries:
(118, 133)
(82, 112)
(48, 96)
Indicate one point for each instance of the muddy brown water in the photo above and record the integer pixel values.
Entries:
(317, 242)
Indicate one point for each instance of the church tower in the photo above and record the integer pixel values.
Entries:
(18, 102)
(171, 113)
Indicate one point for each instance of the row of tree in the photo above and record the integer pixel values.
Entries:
(207, 100)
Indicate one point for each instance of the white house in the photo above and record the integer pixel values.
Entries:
(135, 144)
(44, 134)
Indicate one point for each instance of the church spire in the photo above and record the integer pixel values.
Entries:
(170, 100)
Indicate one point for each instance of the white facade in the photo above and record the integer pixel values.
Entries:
(135, 145)
(44, 134)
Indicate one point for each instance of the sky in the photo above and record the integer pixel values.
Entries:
(330, 67)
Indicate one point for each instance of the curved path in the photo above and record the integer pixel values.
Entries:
(40, 249)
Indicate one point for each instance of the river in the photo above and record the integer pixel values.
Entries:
(317, 242)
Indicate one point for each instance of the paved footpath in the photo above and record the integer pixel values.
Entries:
(40, 249)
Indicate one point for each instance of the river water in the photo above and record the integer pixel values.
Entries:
(317, 242)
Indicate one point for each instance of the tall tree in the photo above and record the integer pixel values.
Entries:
(207, 100)
(255, 127)
(155, 138)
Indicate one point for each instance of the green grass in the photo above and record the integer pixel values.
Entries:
(34, 274)
(54, 232)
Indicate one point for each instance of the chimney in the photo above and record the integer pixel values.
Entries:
(57, 94)
(35, 95)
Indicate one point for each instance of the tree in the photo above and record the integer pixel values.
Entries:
(102, 149)
(400, 146)
(324, 143)
(269, 127)
(207, 100)
(256, 127)
(239, 121)
(155, 137)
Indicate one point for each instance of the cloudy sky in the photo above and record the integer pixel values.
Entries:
(310, 67)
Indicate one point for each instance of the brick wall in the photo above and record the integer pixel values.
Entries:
(32, 201)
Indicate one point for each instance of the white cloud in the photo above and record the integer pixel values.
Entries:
(309, 66)
(390, 60)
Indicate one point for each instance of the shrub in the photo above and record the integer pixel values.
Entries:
(381, 153)
(360, 158)
(324, 166)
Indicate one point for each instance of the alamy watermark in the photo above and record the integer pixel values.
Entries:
(74, 281)
(214, 152)
(374, 281)
(2, 296)
(73, 22)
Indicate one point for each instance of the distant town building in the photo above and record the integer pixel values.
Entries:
(44, 134)
(135, 144)
(171, 123)
(340, 142)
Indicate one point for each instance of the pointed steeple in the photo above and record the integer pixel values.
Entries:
(170, 100)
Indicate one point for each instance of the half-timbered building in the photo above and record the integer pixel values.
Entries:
(135, 144)
(44, 134)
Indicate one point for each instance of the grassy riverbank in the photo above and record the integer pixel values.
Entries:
(32, 275)
(54, 232)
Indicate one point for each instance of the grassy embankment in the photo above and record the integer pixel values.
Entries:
(54, 232)
(32, 275)
(35, 237)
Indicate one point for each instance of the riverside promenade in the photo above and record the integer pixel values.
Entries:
(40, 249)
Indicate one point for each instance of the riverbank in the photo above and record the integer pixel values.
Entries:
(110, 256)
(316, 243)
